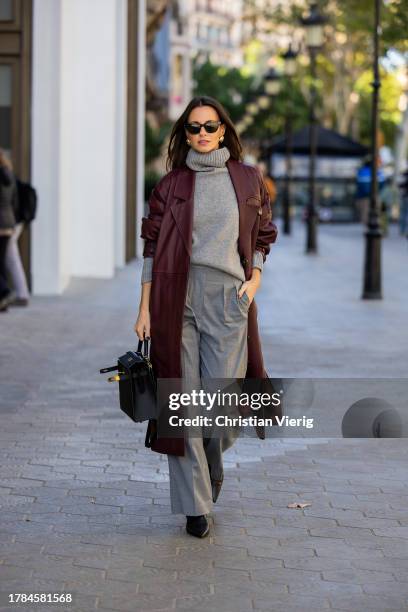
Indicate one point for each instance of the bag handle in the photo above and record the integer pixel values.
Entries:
(145, 343)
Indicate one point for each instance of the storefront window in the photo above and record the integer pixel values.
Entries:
(6, 10)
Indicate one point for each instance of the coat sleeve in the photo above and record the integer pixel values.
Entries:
(268, 231)
(151, 224)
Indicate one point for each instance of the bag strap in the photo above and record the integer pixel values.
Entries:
(111, 369)
(145, 344)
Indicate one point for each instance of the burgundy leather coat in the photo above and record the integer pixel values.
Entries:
(167, 231)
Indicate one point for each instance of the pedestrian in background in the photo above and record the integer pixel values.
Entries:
(8, 211)
(13, 263)
(269, 183)
(363, 192)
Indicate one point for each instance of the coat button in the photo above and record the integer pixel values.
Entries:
(244, 261)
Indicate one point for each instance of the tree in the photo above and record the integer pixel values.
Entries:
(230, 86)
(346, 59)
(234, 88)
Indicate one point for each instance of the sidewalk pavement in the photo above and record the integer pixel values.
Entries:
(85, 507)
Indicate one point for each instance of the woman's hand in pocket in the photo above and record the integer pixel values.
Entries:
(250, 287)
(142, 325)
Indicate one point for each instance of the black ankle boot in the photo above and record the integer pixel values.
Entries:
(197, 526)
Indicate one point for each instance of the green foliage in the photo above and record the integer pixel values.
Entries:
(234, 89)
(358, 16)
(154, 140)
(151, 179)
(390, 92)
(230, 86)
(344, 65)
(153, 149)
(270, 122)
(395, 25)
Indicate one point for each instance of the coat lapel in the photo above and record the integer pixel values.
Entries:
(243, 180)
(248, 195)
(246, 189)
(182, 205)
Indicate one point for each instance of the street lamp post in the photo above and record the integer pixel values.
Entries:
(314, 24)
(372, 264)
(289, 58)
(272, 84)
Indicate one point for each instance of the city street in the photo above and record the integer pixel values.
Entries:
(85, 506)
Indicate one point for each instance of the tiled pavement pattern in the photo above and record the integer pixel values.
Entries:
(85, 507)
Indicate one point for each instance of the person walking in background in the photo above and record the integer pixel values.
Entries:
(13, 262)
(8, 211)
(269, 182)
(363, 191)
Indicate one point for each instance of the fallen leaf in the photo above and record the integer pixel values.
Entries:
(299, 505)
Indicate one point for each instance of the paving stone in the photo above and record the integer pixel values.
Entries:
(352, 603)
(354, 576)
(317, 563)
(280, 552)
(172, 589)
(396, 532)
(252, 588)
(340, 532)
(324, 588)
(291, 602)
(10, 572)
(177, 562)
(392, 589)
(218, 601)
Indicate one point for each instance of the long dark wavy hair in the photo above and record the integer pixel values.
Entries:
(178, 147)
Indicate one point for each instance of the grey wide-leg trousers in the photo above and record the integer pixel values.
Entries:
(214, 345)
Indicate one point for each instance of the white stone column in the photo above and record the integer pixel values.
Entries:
(78, 140)
(140, 169)
(49, 275)
(120, 133)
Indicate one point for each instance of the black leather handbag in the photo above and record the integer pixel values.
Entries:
(137, 383)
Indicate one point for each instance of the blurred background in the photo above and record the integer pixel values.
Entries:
(89, 90)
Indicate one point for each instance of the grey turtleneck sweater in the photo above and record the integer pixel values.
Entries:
(215, 219)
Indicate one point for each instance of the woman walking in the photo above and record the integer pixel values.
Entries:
(207, 236)
(8, 210)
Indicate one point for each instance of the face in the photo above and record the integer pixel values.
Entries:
(203, 142)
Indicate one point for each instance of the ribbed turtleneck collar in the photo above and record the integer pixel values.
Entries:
(206, 162)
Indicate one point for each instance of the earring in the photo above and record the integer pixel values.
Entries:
(188, 141)
(221, 139)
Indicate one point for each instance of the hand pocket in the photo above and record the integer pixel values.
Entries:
(244, 300)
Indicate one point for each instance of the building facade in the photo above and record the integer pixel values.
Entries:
(215, 29)
(194, 30)
(72, 75)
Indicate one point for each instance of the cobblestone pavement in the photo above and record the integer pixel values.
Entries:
(85, 507)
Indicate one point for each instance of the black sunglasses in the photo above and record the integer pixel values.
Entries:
(209, 126)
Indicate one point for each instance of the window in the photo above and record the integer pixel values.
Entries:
(6, 10)
(203, 31)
